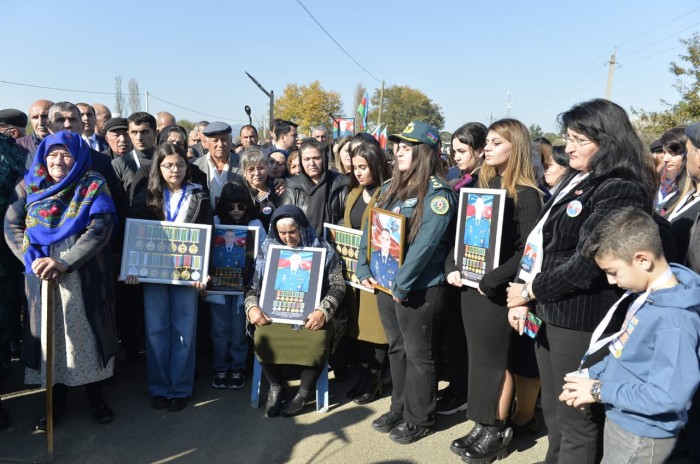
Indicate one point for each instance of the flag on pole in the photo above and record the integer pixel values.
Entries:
(383, 138)
(362, 110)
(375, 133)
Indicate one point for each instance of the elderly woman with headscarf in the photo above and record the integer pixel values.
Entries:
(282, 344)
(59, 225)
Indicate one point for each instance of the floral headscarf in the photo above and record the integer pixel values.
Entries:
(58, 210)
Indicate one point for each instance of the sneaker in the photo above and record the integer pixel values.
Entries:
(450, 403)
(237, 380)
(220, 380)
(387, 421)
(406, 433)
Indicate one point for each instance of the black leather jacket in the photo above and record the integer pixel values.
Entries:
(301, 191)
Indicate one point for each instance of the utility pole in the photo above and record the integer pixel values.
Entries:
(270, 94)
(611, 72)
(509, 105)
(147, 103)
(381, 99)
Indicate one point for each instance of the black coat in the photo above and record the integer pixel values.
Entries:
(332, 190)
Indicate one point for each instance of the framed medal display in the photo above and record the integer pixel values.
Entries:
(346, 242)
(385, 249)
(291, 286)
(479, 229)
(233, 259)
(165, 252)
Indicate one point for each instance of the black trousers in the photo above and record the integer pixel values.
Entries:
(454, 346)
(575, 436)
(413, 331)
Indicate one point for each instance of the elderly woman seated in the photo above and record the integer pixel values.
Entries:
(309, 346)
(59, 224)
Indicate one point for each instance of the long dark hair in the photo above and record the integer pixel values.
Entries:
(235, 192)
(376, 162)
(414, 183)
(620, 148)
(156, 183)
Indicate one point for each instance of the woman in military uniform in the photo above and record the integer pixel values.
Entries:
(412, 314)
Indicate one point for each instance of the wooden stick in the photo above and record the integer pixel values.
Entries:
(49, 369)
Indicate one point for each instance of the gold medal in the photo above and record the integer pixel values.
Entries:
(193, 249)
(182, 248)
(185, 275)
(150, 246)
(173, 247)
(176, 275)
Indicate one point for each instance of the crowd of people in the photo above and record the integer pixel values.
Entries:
(593, 305)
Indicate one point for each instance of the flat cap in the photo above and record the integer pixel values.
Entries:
(693, 134)
(656, 146)
(216, 127)
(116, 124)
(13, 117)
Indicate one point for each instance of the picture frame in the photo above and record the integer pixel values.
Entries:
(385, 248)
(346, 242)
(232, 259)
(291, 286)
(479, 232)
(165, 252)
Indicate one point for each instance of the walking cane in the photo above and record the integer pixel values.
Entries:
(49, 369)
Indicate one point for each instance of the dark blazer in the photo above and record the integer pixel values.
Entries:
(571, 291)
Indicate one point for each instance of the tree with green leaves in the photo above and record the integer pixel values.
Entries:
(403, 104)
(308, 106)
(535, 131)
(651, 124)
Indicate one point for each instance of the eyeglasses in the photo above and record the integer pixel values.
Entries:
(171, 167)
(576, 141)
(256, 168)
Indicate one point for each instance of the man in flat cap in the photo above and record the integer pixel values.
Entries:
(692, 260)
(117, 137)
(39, 117)
(13, 123)
(220, 165)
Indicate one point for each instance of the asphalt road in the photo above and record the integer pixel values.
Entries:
(221, 427)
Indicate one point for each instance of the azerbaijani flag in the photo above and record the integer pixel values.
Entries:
(383, 138)
(362, 110)
(375, 133)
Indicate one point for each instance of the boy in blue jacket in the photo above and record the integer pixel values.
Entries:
(649, 377)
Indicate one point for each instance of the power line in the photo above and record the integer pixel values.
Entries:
(658, 27)
(661, 40)
(150, 95)
(675, 47)
(336, 42)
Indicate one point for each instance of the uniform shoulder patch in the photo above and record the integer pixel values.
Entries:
(439, 205)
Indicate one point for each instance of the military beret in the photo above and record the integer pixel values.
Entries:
(116, 124)
(216, 127)
(693, 133)
(13, 117)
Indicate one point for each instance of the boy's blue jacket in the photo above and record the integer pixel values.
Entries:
(647, 390)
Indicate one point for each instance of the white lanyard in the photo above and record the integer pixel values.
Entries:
(596, 343)
(686, 205)
(136, 160)
(531, 263)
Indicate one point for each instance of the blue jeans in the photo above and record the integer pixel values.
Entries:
(171, 326)
(621, 446)
(228, 336)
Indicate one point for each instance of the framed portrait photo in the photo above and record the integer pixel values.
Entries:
(479, 229)
(291, 286)
(346, 242)
(232, 259)
(165, 252)
(385, 249)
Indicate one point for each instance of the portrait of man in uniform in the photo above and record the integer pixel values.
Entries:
(384, 265)
(229, 254)
(292, 276)
(478, 227)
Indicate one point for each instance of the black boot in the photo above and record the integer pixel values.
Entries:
(356, 389)
(296, 405)
(460, 445)
(371, 389)
(492, 445)
(274, 401)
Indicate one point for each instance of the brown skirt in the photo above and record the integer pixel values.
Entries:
(281, 344)
(370, 326)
